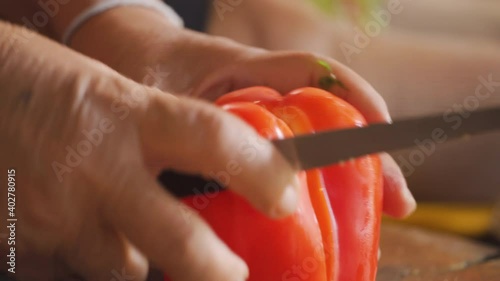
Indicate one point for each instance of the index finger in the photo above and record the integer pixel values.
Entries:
(287, 71)
(196, 137)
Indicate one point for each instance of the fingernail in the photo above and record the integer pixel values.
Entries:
(245, 270)
(288, 201)
(410, 202)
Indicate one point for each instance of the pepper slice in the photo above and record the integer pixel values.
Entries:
(334, 234)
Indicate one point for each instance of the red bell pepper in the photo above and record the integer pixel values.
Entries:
(335, 232)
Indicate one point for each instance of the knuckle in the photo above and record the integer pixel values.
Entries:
(186, 242)
(211, 128)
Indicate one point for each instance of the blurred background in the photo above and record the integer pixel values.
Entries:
(426, 56)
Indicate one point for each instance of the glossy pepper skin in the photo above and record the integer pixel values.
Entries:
(334, 234)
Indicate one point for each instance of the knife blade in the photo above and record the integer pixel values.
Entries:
(329, 147)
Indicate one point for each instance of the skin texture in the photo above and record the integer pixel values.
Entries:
(95, 217)
(98, 219)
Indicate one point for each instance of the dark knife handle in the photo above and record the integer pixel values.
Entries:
(183, 185)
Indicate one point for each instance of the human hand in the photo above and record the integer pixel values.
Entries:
(86, 145)
(189, 63)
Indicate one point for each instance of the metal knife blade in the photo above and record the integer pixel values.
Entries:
(330, 147)
(326, 148)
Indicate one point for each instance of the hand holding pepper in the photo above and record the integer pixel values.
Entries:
(87, 145)
(194, 64)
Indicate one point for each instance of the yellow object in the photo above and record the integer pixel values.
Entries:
(464, 219)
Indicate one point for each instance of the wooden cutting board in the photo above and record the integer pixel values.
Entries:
(413, 254)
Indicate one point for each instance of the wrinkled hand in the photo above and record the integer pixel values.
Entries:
(189, 63)
(86, 145)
